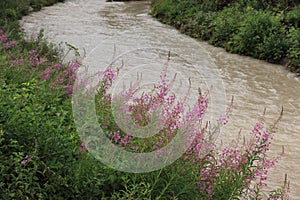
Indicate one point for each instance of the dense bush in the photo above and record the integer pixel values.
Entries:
(294, 49)
(225, 26)
(265, 30)
(260, 35)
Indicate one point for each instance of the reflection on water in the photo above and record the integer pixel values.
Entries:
(96, 27)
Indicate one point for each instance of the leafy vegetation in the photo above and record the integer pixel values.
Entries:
(267, 30)
(42, 156)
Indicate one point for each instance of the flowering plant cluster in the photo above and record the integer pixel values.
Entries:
(63, 76)
(170, 115)
(43, 157)
(239, 170)
(4, 41)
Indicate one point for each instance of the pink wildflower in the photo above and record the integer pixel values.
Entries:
(69, 89)
(11, 44)
(3, 37)
(35, 60)
(46, 74)
(19, 62)
(83, 147)
(25, 160)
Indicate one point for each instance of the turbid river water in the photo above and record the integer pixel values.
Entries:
(104, 31)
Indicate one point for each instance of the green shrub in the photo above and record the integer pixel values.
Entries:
(293, 17)
(255, 28)
(294, 50)
(27, 126)
(226, 24)
(200, 25)
(260, 35)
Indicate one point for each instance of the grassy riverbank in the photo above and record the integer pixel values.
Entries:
(267, 30)
(13, 10)
(42, 156)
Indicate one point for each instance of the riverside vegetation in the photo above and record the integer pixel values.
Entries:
(263, 29)
(42, 156)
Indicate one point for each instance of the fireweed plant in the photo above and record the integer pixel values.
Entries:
(172, 113)
(237, 171)
(42, 156)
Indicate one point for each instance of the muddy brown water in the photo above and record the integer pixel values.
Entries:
(103, 31)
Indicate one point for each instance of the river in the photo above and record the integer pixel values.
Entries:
(105, 31)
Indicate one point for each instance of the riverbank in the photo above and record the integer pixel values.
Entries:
(42, 156)
(13, 10)
(266, 30)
